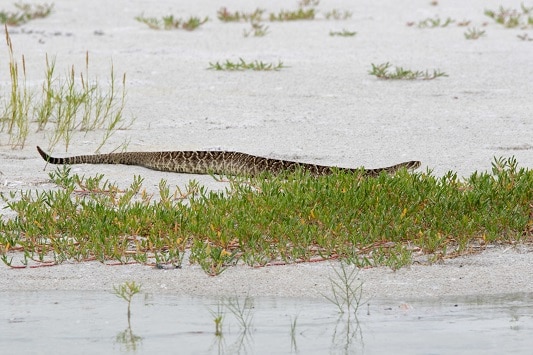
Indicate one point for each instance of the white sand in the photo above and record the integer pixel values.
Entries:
(323, 108)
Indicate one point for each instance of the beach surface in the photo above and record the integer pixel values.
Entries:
(323, 108)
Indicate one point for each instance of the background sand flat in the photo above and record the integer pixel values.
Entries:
(324, 108)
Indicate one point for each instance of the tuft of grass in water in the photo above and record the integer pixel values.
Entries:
(224, 15)
(126, 291)
(25, 12)
(432, 22)
(346, 291)
(63, 106)
(343, 33)
(270, 219)
(381, 71)
(474, 33)
(218, 318)
(512, 18)
(243, 65)
(170, 22)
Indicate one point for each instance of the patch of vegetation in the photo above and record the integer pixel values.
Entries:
(382, 71)
(270, 219)
(294, 15)
(227, 16)
(512, 18)
(172, 23)
(432, 22)
(343, 33)
(243, 65)
(25, 12)
(338, 15)
(258, 30)
(524, 37)
(474, 33)
(62, 106)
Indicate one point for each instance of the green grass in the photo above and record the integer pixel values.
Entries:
(294, 15)
(284, 219)
(224, 15)
(25, 12)
(170, 22)
(241, 65)
(381, 71)
(474, 33)
(435, 22)
(61, 106)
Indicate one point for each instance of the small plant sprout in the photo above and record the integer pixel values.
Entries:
(432, 22)
(346, 291)
(343, 33)
(126, 291)
(463, 23)
(170, 22)
(474, 33)
(308, 3)
(243, 65)
(381, 71)
(338, 15)
(218, 318)
(258, 30)
(25, 12)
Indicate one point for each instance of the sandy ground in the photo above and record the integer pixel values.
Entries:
(323, 108)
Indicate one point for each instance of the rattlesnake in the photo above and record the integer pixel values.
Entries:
(213, 162)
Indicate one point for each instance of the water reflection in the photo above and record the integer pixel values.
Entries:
(57, 322)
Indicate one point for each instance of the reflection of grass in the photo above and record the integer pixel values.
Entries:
(343, 33)
(25, 12)
(286, 218)
(474, 33)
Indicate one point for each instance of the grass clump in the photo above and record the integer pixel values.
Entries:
(63, 105)
(338, 15)
(224, 15)
(512, 18)
(171, 23)
(294, 15)
(381, 71)
(25, 12)
(343, 33)
(432, 22)
(241, 65)
(257, 30)
(474, 33)
(265, 220)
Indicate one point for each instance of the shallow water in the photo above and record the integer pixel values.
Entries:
(58, 322)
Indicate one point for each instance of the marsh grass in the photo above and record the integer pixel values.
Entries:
(25, 12)
(381, 71)
(241, 65)
(126, 291)
(289, 218)
(336, 14)
(293, 15)
(170, 22)
(62, 106)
